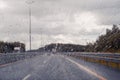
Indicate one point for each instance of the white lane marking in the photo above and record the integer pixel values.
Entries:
(86, 69)
(25, 78)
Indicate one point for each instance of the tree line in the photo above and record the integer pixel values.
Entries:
(59, 47)
(9, 47)
(109, 42)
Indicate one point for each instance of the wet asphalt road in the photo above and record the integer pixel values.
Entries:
(57, 67)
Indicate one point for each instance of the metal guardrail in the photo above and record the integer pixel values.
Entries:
(12, 57)
(107, 59)
(106, 55)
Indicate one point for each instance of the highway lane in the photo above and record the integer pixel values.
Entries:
(57, 67)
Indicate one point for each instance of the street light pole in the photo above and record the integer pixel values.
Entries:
(30, 24)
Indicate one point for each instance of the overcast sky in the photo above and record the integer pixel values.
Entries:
(63, 21)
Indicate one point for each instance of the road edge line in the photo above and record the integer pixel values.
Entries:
(87, 70)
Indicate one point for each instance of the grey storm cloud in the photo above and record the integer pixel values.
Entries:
(57, 20)
(107, 10)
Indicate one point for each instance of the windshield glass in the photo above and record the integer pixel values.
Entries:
(59, 40)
